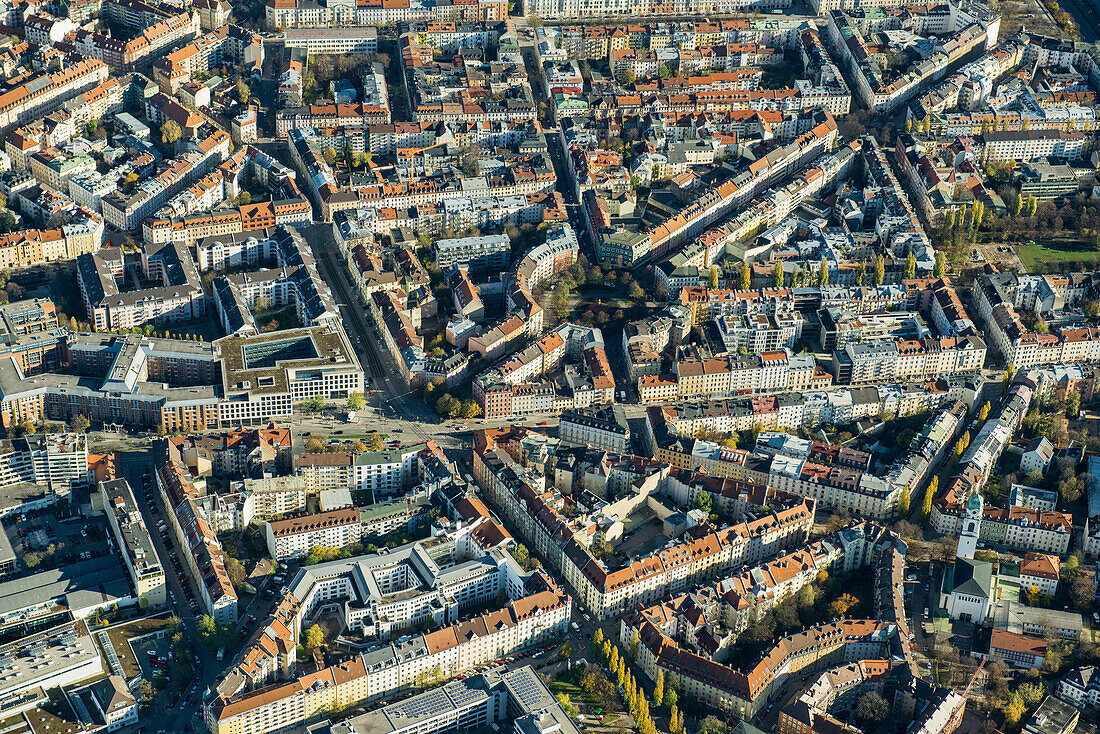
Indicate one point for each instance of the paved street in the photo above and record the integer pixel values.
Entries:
(375, 360)
(173, 718)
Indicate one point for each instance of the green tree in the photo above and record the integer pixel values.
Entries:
(560, 302)
(207, 630)
(243, 92)
(1070, 568)
(235, 570)
(174, 625)
(312, 405)
(777, 275)
(861, 273)
(355, 401)
(872, 708)
(1073, 405)
(880, 271)
(823, 273)
(659, 688)
(1032, 693)
(746, 276)
(712, 725)
(704, 501)
(903, 503)
(712, 277)
(929, 496)
(984, 412)
(314, 638)
(79, 423)
(839, 607)
(910, 265)
(170, 132)
(1032, 205)
(941, 264)
(448, 406)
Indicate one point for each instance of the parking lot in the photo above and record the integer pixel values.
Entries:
(47, 539)
(153, 655)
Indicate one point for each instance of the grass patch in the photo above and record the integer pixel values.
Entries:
(568, 682)
(560, 686)
(1035, 257)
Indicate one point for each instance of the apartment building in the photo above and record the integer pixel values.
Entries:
(474, 254)
(467, 705)
(269, 498)
(690, 660)
(533, 509)
(150, 42)
(557, 253)
(179, 295)
(383, 473)
(1079, 687)
(615, 244)
(42, 93)
(604, 428)
(387, 594)
(1019, 651)
(837, 487)
(1040, 572)
(297, 13)
(208, 148)
(635, 8)
(227, 44)
(293, 537)
(134, 543)
(1029, 145)
(340, 41)
(179, 491)
(56, 461)
(892, 360)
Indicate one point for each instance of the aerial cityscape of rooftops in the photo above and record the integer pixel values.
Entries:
(549, 366)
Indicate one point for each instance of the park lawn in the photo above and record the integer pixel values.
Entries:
(560, 686)
(569, 684)
(1034, 256)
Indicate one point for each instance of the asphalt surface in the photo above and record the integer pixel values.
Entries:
(375, 359)
(169, 714)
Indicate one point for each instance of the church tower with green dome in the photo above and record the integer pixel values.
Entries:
(971, 527)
